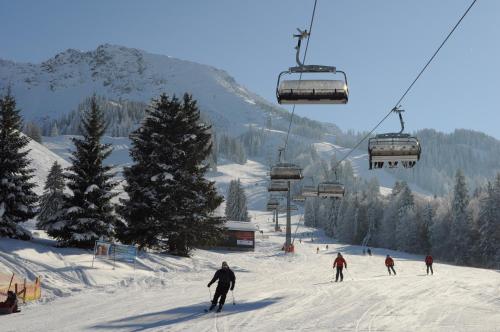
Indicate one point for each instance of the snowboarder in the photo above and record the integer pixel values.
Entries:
(428, 263)
(389, 262)
(226, 281)
(339, 263)
(369, 251)
(317, 250)
(327, 247)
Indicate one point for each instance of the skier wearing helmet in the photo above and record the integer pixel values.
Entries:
(226, 281)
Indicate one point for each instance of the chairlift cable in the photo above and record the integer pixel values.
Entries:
(410, 87)
(300, 76)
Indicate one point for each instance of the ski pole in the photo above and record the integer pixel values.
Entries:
(349, 273)
(210, 292)
(232, 293)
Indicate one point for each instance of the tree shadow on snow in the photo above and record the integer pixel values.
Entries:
(178, 315)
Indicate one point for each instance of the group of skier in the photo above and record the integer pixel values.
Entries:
(226, 278)
(339, 263)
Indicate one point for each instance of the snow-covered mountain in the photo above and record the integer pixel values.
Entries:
(56, 86)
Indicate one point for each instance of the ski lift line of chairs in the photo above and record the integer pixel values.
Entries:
(394, 148)
(286, 171)
(309, 91)
(309, 191)
(299, 198)
(278, 186)
(325, 190)
(331, 189)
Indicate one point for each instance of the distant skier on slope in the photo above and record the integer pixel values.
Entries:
(339, 263)
(226, 281)
(428, 262)
(317, 250)
(389, 262)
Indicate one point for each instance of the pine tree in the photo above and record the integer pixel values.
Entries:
(52, 201)
(425, 226)
(54, 131)
(170, 203)
(32, 130)
(17, 199)
(236, 202)
(489, 225)
(88, 213)
(460, 221)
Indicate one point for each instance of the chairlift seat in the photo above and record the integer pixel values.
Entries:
(392, 149)
(309, 191)
(286, 171)
(278, 186)
(299, 198)
(331, 189)
(312, 92)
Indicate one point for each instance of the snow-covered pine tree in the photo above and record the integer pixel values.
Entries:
(489, 225)
(236, 202)
(17, 199)
(54, 130)
(34, 132)
(52, 200)
(424, 228)
(231, 210)
(88, 213)
(460, 220)
(170, 203)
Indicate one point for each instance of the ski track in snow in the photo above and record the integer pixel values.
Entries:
(273, 292)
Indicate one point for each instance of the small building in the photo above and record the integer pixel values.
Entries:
(239, 235)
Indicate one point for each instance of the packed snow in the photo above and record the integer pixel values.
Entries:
(273, 291)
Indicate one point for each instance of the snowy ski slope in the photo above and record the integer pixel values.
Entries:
(273, 292)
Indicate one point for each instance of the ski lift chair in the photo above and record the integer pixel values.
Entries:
(299, 198)
(331, 190)
(392, 149)
(270, 206)
(286, 171)
(278, 186)
(309, 91)
(309, 191)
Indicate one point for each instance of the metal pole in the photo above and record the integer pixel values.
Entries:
(288, 241)
(276, 226)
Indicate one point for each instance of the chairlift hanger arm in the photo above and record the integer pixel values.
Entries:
(302, 35)
(399, 111)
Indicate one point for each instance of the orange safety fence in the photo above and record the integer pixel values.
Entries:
(26, 290)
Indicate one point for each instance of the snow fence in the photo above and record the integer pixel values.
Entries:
(26, 290)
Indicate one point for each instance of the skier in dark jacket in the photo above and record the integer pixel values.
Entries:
(428, 263)
(226, 281)
(389, 262)
(339, 263)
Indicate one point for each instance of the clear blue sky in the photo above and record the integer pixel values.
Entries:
(380, 44)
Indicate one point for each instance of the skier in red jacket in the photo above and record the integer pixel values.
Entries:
(339, 263)
(428, 262)
(389, 262)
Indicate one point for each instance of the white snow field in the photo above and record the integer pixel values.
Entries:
(274, 292)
